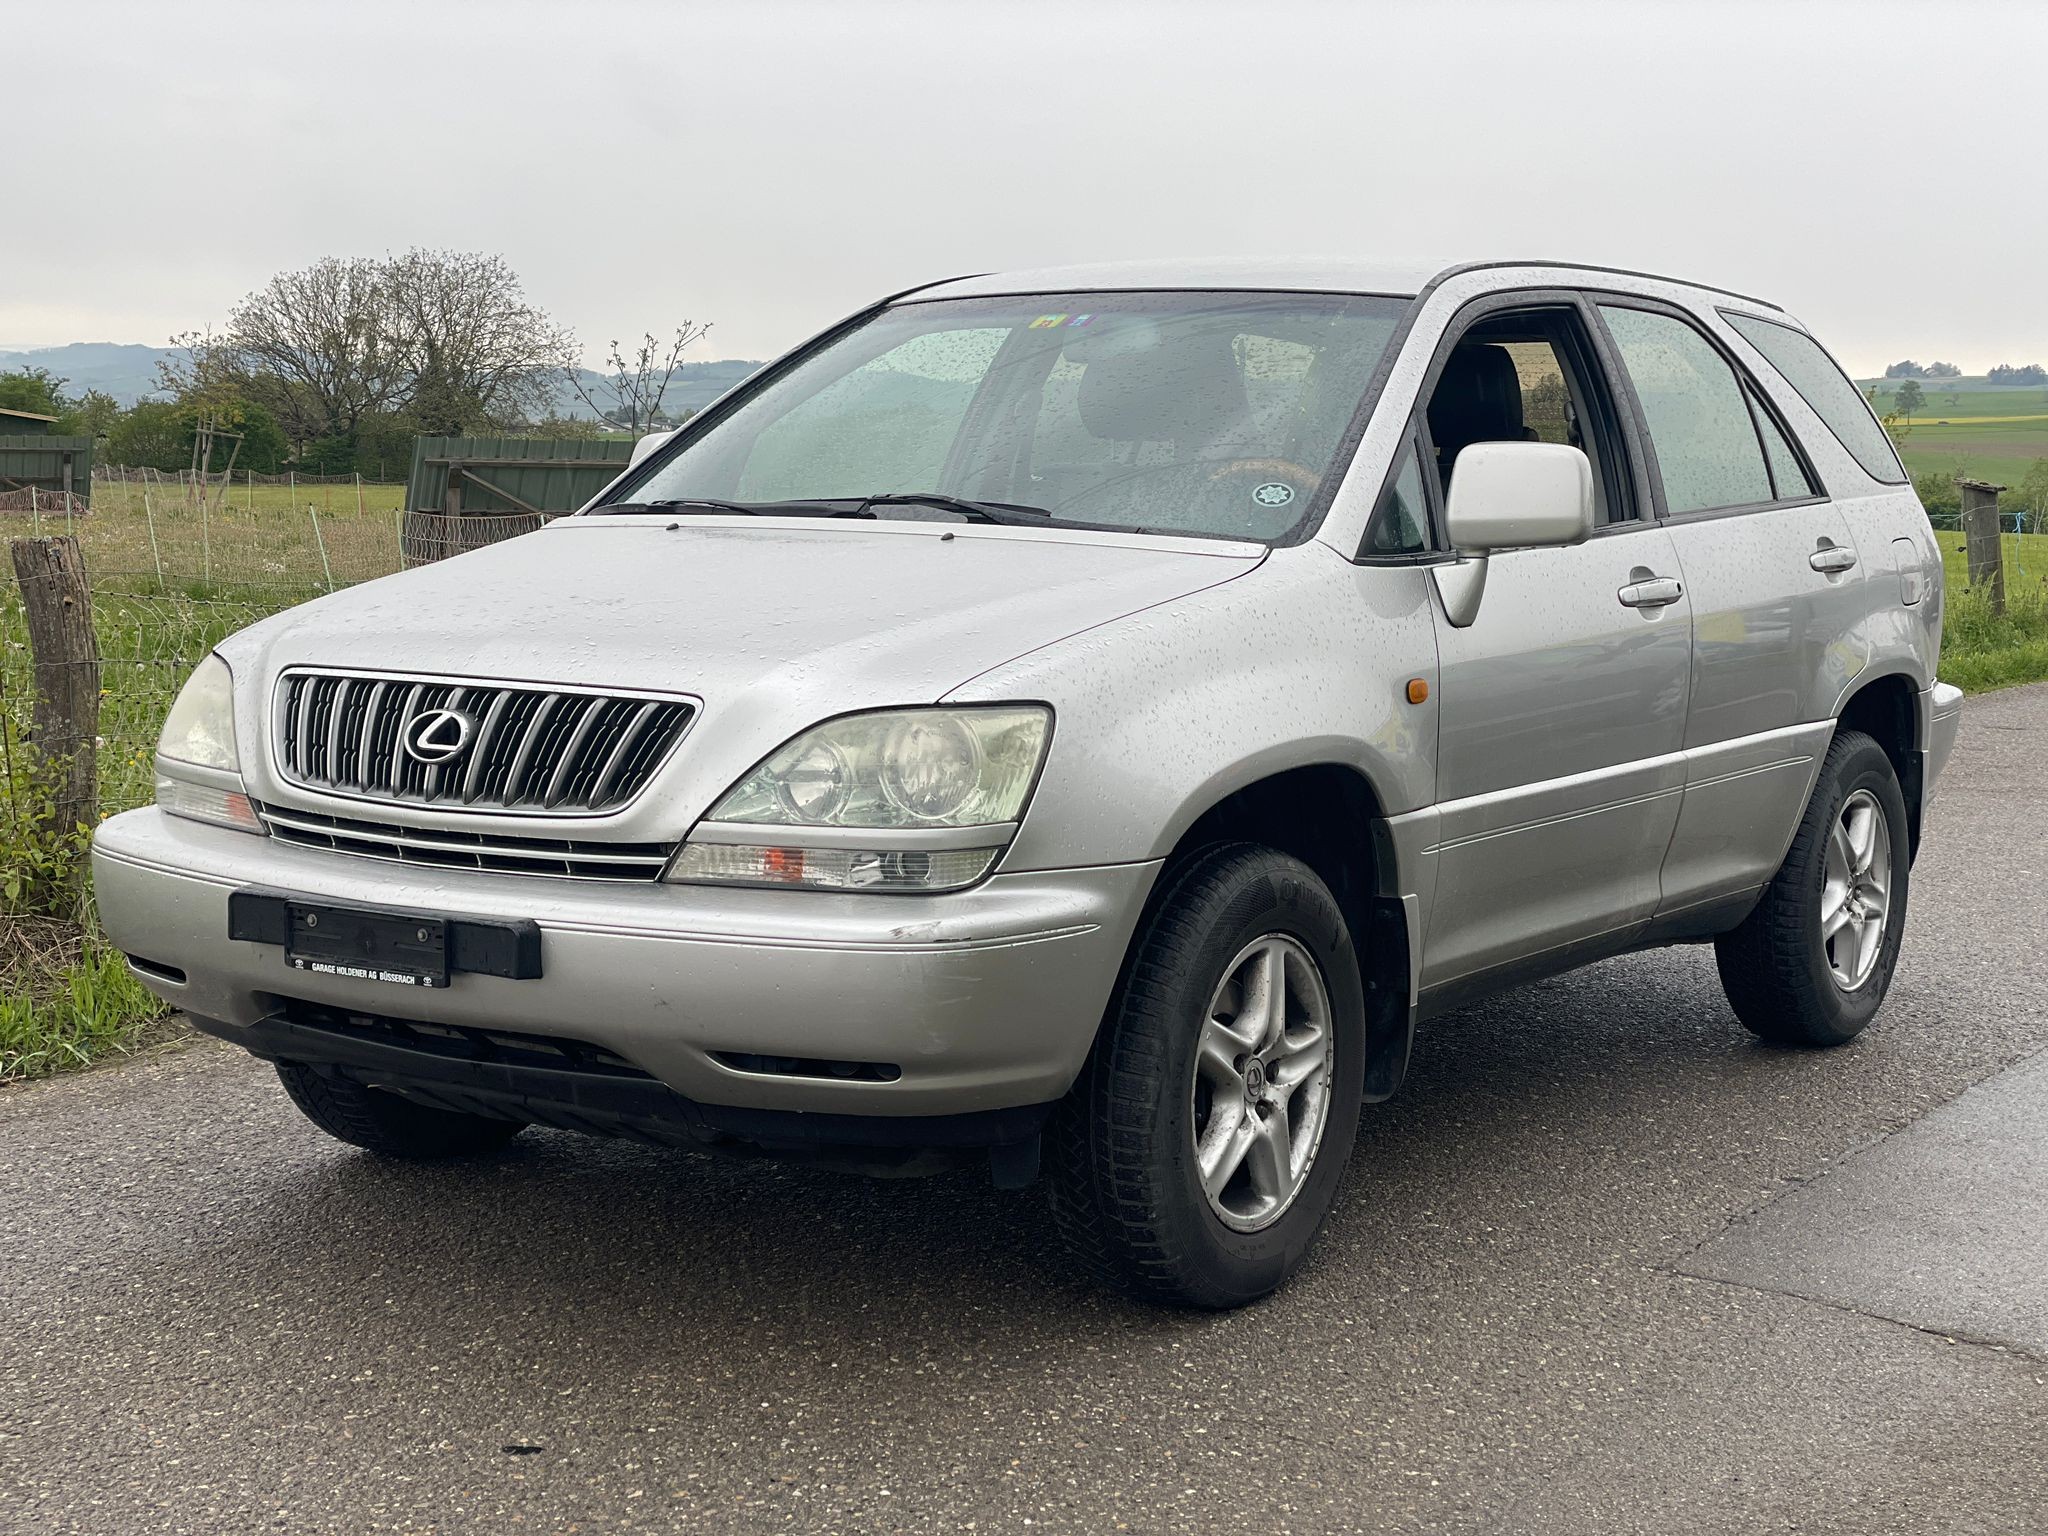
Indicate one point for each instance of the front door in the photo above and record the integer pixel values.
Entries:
(1559, 766)
(1562, 707)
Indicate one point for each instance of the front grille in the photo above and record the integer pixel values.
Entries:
(542, 751)
(564, 858)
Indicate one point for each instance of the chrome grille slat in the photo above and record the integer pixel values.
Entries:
(365, 747)
(486, 739)
(535, 749)
(618, 753)
(559, 858)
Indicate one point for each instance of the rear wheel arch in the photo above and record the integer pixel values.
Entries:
(1886, 708)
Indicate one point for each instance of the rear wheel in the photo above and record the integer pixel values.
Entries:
(1812, 963)
(387, 1124)
(1202, 1147)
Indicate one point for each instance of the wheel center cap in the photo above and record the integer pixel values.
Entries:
(1254, 1078)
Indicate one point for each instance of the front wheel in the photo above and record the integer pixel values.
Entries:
(1811, 964)
(1202, 1147)
(387, 1124)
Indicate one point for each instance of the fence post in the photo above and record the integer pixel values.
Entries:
(35, 512)
(149, 517)
(359, 493)
(325, 569)
(1981, 539)
(206, 542)
(398, 518)
(65, 725)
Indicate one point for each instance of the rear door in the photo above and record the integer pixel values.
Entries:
(1776, 588)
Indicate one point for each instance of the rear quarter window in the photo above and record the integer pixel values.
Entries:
(1821, 383)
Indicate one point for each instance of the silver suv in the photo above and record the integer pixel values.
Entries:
(1083, 720)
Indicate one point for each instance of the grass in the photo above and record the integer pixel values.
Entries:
(66, 999)
(1981, 650)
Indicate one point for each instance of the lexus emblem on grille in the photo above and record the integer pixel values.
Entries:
(437, 735)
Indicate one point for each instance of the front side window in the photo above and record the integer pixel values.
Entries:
(1822, 385)
(1526, 376)
(1400, 523)
(1699, 423)
(1172, 412)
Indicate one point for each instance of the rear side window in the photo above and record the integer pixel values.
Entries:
(1822, 385)
(1708, 453)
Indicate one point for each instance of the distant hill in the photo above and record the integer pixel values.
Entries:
(127, 371)
(124, 370)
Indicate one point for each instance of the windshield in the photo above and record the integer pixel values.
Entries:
(1204, 413)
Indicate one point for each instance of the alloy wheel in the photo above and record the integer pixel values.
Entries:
(1262, 1082)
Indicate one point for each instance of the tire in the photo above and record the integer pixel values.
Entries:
(385, 1123)
(1784, 978)
(1123, 1163)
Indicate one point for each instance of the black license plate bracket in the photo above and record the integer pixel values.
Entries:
(419, 949)
(369, 946)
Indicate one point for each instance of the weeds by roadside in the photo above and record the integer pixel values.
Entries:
(1980, 649)
(66, 998)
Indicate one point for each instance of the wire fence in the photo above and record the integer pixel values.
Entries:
(176, 564)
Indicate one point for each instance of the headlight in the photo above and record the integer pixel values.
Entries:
(201, 726)
(898, 800)
(198, 771)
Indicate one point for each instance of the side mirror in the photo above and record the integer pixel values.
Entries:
(1509, 496)
(648, 444)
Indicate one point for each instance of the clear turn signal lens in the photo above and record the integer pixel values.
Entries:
(204, 802)
(833, 869)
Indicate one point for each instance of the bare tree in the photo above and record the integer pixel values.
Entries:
(633, 391)
(314, 347)
(474, 350)
(446, 337)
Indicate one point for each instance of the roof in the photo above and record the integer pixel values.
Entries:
(1315, 274)
(25, 415)
(1304, 273)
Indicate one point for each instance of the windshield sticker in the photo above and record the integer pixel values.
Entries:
(1054, 322)
(1273, 493)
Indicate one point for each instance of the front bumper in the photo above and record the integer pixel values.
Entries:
(985, 999)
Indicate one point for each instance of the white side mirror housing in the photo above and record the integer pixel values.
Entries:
(648, 444)
(1519, 495)
(1509, 496)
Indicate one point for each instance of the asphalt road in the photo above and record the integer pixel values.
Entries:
(213, 1320)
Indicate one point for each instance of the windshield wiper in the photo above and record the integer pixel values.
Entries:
(742, 508)
(1010, 512)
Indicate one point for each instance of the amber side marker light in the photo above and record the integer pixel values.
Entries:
(1418, 690)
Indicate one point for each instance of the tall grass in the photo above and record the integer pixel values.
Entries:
(1981, 649)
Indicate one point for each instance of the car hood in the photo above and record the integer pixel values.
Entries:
(773, 626)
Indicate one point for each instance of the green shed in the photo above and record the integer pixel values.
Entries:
(31, 456)
(507, 476)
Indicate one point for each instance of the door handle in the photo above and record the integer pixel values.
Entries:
(1832, 559)
(1657, 592)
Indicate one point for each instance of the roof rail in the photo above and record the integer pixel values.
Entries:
(1587, 266)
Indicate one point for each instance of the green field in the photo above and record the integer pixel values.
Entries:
(1967, 427)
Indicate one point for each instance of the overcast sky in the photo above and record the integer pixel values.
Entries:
(1877, 169)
